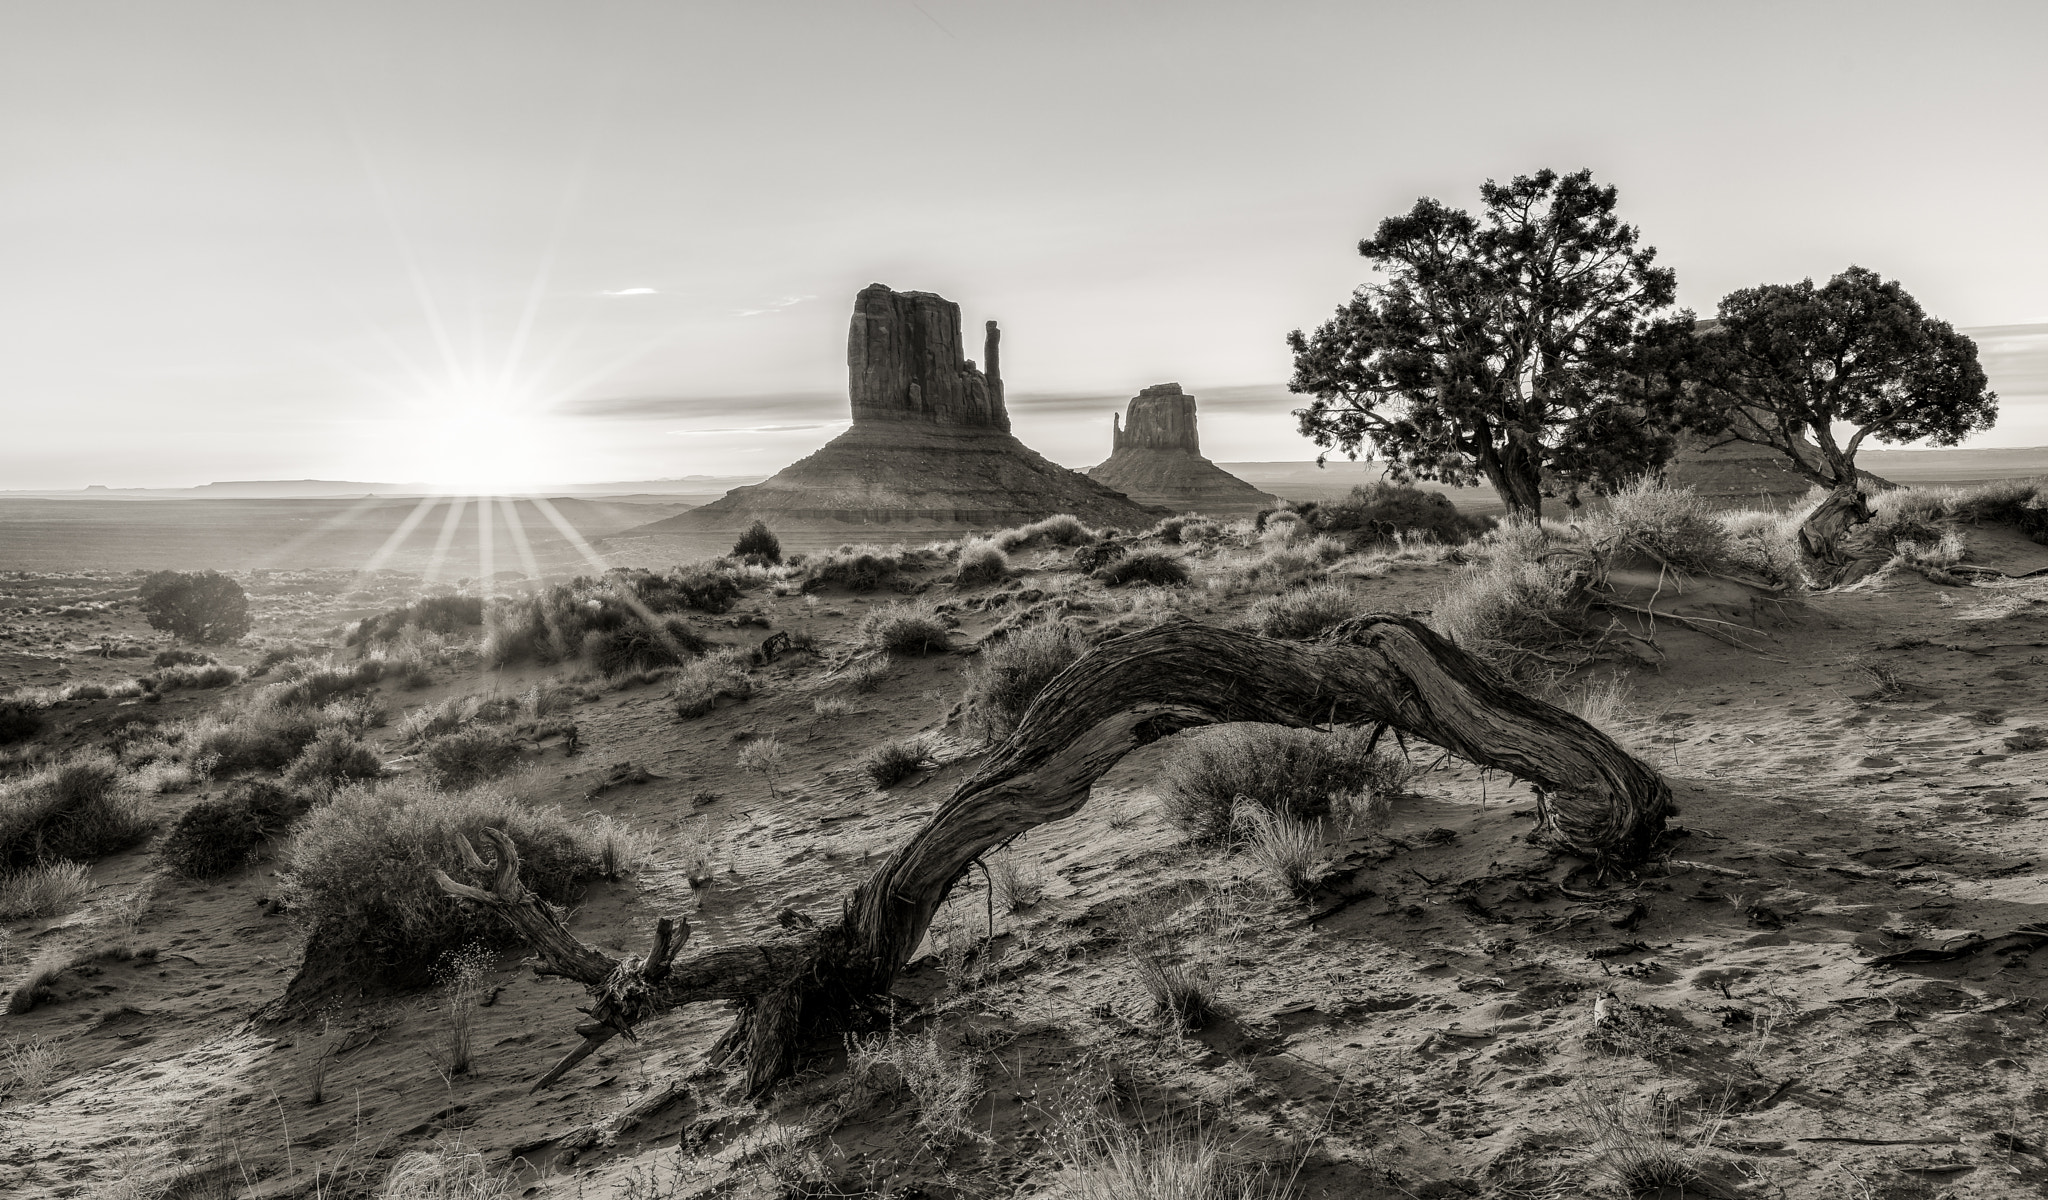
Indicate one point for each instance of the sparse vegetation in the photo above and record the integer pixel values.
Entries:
(1176, 982)
(335, 756)
(1008, 675)
(1382, 513)
(981, 563)
(1160, 1159)
(49, 889)
(895, 760)
(460, 975)
(1018, 881)
(1297, 772)
(470, 754)
(1155, 567)
(1063, 529)
(1287, 851)
(906, 627)
(214, 837)
(79, 810)
(766, 757)
(946, 1086)
(1304, 612)
(700, 685)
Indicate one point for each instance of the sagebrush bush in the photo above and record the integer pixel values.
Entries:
(859, 568)
(264, 736)
(48, 890)
(1381, 512)
(720, 675)
(758, 542)
(1301, 773)
(1523, 596)
(1008, 675)
(311, 686)
(444, 614)
(359, 873)
(895, 760)
(1304, 612)
(174, 679)
(469, 755)
(637, 647)
(178, 657)
(78, 809)
(1096, 555)
(214, 837)
(554, 623)
(1061, 529)
(334, 757)
(981, 563)
(20, 720)
(906, 627)
(1156, 567)
(1670, 524)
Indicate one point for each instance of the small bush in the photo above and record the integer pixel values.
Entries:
(49, 890)
(37, 980)
(1018, 882)
(981, 563)
(945, 1086)
(1062, 529)
(758, 542)
(1381, 512)
(470, 755)
(693, 588)
(895, 760)
(175, 657)
(766, 757)
(1008, 675)
(178, 678)
(1523, 597)
(636, 647)
(858, 568)
(334, 757)
(207, 607)
(1177, 983)
(909, 627)
(1094, 556)
(700, 685)
(1287, 851)
(214, 837)
(1304, 612)
(1156, 567)
(443, 615)
(20, 720)
(314, 686)
(1163, 1159)
(360, 872)
(1298, 772)
(1672, 525)
(264, 737)
(76, 810)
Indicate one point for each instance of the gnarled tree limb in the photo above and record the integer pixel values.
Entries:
(1593, 799)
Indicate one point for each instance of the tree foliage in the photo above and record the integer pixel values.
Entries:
(1528, 347)
(1786, 363)
(206, 607)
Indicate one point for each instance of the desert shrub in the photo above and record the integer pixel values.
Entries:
(895, 760)
(547, 697)
(334, 757)
(945, 1086)
(1062, 529)
(277, 656)
(636, 647)
(360, 871)
(49, 889)
(1767, 546)
(1176, 981)
(1159, 1159)
(1525, 595)
(1670, 524)
(78, 809)
(206, 607)
(1281, 566)
(1381, 512)
(758, 542)
(1019, 882)
(688, 587)
(907, 627)
(264, 736)
(314, 686)
(214, 837)
(981, 563)
(1008, 675)
(20, 720)
(700, 685)
(470, 755)
(435, 614)
(179, 678)
(177, 657)
(1156, 567)
(859, 568)
(1298, 772)
(766, 757)
(85, 691)
(1304, 612)
(1169, 529)
(1098, 554)
(449, 1173)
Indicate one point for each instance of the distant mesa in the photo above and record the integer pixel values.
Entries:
(930, 449)
(1156, 458)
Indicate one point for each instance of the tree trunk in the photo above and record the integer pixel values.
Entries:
(1835, 553)
(1593, 799)
(1516, 472)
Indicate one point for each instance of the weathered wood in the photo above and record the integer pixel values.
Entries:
(1593, 799)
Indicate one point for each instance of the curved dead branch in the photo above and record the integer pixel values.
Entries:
(1593, 798)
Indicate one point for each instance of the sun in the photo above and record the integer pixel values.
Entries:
(482, 441)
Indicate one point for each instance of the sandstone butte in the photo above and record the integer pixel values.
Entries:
(930, 450)
(1156, 458)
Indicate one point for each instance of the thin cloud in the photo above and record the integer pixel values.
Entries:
(773, 306)
(759, 428)
(1242, 398)
(769, 407)
(633, 292)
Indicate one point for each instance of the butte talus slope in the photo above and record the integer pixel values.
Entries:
(1156, 458)
(930, 450)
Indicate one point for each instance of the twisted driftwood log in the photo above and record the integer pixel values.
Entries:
(1593, 799)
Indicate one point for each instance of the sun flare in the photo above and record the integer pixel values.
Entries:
(483, 441)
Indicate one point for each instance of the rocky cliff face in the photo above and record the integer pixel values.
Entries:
(1162, 417)
(904, 362)
(1156, 458)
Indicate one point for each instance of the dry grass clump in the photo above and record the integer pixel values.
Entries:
(766, 757)
(359, 874)
(1177, 983)
(1384, 514)
(79, 809)
(307, 685)
(214, 837)
(460, 976)
(1008, 675)
(719, 675)
(1288, 852)
(37, 978)
(1159, 568)
(832, 708)
(1160, 1160)
(857, 568)
(896, 760)
(448, 1173)
(261, 733)
(32, 1066)
(1645, 1145)
(619, 615)
(1019, 882)
(946, 1086)
(1766, 545)
(905, 627)
(1304, 612)
(1062, 529)
(47, 890)
(1517, 600)
(981, 563)
(470, 755)
(621, 849)
(1670, 524)
(1299, 772)
(179, 678)
(334, 757)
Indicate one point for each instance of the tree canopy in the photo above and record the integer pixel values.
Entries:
(1788, 362)
(206, 607)
(1530, 347)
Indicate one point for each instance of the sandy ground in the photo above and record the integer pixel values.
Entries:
(1425, 1026)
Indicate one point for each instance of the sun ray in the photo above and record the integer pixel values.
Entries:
(347, 516)
(397, 538)
(449, 524)
(517, 528)
(624, 591)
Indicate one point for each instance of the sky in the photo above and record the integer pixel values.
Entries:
(578, 240)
